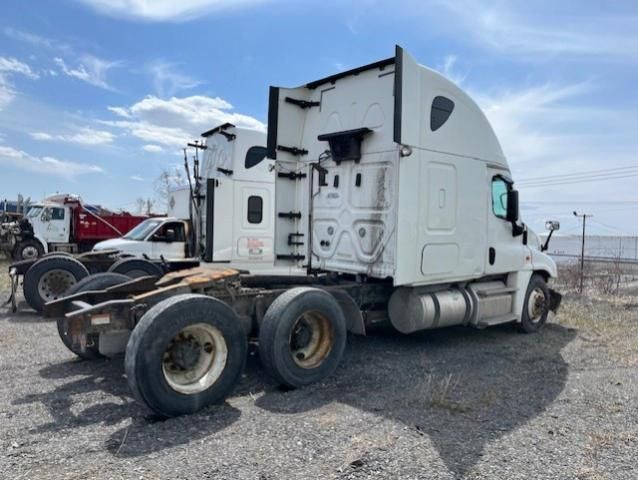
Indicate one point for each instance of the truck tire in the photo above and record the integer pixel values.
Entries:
(136, 267)
(99, 281)
(186, 353)
(536, 305)
(302, 336)
(28, 250)
(50, 278)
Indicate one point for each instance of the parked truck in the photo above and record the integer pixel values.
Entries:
(62, 223)
(393, 194)
(225, 215)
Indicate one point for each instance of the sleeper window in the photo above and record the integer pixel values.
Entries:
(254, 156)
(255, 209)
(441, 110)
(499, 197)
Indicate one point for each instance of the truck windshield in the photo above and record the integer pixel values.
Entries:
(143, 229)
(34, 212)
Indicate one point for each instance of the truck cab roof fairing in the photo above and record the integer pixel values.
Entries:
(409, 78)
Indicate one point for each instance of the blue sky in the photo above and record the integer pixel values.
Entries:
(98, 96)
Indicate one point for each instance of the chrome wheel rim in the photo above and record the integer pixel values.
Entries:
(311, 339)
(194, 359)
(55, 283)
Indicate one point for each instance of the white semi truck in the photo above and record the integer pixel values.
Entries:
(229, 218)
(393, 194)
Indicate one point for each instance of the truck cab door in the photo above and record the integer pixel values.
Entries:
(55, 224)
(169, 241)
(505, 252)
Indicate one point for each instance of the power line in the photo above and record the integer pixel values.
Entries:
(583, 202)
(588, 173)
(575, 181)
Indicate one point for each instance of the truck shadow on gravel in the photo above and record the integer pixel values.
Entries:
(89, 401)
(459, 388)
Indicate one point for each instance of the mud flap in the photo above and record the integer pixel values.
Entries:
(554, 300)
(13, 275)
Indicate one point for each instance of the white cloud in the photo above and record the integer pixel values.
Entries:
(84, 136)
(21, 160)
(90, 69)
(167, 81)
(516, 27)
(11, 65)
(449, 71)
(173, 122)
(7, 93)
(41, 136)
(36, 40)
(137, 178)
(152, 148)
(165, 10)
(547, 130)
(122, 112)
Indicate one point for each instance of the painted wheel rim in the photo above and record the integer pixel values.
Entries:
(311, 339)
(194, 359)
(536, 305)
(29, 252)
(55, 283)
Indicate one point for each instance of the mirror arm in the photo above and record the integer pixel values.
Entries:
(517, 229)
(545, 246)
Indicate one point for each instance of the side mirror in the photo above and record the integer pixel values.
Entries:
(170, 235)
(512, 206)
(552, 225)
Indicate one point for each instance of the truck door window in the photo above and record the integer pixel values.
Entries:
(255, 209)
(57, 214)
(441, 110)
(254, 156)
(178, 234)
(499, 197)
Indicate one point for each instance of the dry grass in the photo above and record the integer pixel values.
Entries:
(610, 321)
(436, 391)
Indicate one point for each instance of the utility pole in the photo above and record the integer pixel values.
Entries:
(582, 250)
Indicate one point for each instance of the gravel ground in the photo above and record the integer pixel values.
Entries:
(452, 403)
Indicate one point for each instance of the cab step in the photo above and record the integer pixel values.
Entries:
(490, 322)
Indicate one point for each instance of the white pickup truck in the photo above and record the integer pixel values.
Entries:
(155, 238)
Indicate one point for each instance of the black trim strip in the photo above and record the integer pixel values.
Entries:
(217, 129)
(302, 103)
(291, 175)
(273, 118)
(292, 256)
(289, 215)
(292, 150)
(355, 71)
(197, 145)
(210, 218)
(398, 93)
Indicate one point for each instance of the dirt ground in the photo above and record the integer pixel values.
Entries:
(452, 403)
